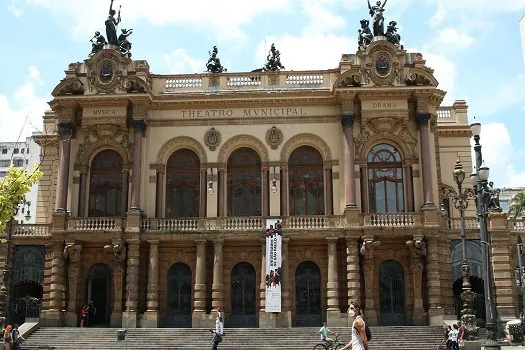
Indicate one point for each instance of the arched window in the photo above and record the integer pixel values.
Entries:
(385, 180)
(306, 182)
(182, 184)
(105, 189)
(244, 183)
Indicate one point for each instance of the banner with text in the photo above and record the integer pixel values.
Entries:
(274, 249)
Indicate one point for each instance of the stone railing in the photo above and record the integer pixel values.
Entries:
(95, 224)
(518, 225)
(32, 230)
(313, 222)
(182, 224)
(454, 224)
(444, 113)
(284, 80)
(392, 219)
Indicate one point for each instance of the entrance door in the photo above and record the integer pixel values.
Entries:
(243, 310)
(307, 295)
(179, 296)
(391, 293)
(98, 292)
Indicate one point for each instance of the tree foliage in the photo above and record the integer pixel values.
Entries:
(13, 187)
(517, 208)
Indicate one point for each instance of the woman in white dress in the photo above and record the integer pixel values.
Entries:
(358, 341)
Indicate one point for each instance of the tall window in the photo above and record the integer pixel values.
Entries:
(385, 180)
(306, 182)
(183, 184)
(244, 183)
(105, 190)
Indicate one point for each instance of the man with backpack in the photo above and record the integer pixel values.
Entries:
(360, 336)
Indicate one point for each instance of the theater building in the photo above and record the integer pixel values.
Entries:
(157, 189)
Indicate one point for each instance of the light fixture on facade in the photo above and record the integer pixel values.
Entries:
(210, 187)
(274, 185)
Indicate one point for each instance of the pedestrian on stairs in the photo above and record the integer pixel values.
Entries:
(218, 332)
(358, 341)
(8, 338)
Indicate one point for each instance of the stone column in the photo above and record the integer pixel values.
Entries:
(265, 190)
(125, 189)
(349, 155)
(329, 193)
(118, 281)
(353, 274)
(203, 193)
(217, 287)
(284, 190)
(417, 253)
(433, 281)
(51, 315)
(286, 313)
(367, 251)
(364, 188)
(132, 284)
(262, 284)
(82, 192)
(139, 125)
(65, 131)
(199, 298)
(410, 188)
(222, 190)
(332, 285)
(159, 213)
(72, 253)
(426, 158)
(504, 290)
(152, 298)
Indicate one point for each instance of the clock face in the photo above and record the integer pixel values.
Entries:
(106, 72)
(382, 66)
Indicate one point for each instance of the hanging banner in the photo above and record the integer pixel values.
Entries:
(274, 249)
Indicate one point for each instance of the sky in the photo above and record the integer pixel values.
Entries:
(473, 46)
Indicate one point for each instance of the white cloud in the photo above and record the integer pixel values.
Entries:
(22, 113)
(180, 62)
(322, 18)
(226, 17)
(302, 53)
(14, 8)
(484, 6)
(453, 37)
(501, 157)
(438, 17)
(509, 93)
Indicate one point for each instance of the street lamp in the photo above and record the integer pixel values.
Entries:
(460, 199)
(486, 199)
(520, 282)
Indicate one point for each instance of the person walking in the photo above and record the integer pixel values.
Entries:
(358, 341)
(218, 332)
(8, 338)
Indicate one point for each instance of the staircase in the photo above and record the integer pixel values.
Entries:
(394, 338)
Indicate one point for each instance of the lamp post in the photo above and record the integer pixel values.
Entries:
(460, 199)
(486, 199)
(520, 282)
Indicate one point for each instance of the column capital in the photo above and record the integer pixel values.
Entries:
(200, 242)
(332, 239)
(218, 241)
(139, 125)
(66, 130)
(423, 118)
(153, 242)
(347, 119)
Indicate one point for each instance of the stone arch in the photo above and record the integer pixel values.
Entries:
(306, 139)
(180, 142)
(350, 78)
(86, 155)
(420, 77)
(243, 141)
(69, 86)
(405, 151)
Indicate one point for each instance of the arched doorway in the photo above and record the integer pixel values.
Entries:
(28, 278)
(242, 300)
(179, 296)
(307, 295)
(473, 248)
(391, 293)
(99, 289)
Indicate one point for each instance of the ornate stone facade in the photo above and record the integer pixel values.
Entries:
(156, 262)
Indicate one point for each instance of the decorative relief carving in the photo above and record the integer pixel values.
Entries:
(309, 140)
(420, 77)
(72, 251)
(104, 75)
(100, 136)
(243, 141)
(118, 249)
(274, 137)
(134, 85)
(273, 79)
(351, 78)
(212, 139)
(69, 86)
(213, 81)
(386, 127)
(180, 142)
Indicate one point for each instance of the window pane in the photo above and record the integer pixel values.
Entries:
(105, 191)
(183, 184)
(306, 181)
(244, 183)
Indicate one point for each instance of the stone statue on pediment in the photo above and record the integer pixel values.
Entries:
(365, 35)
(214, 63)
(273, 60)
(123, 44)
(97, 43)
(376, 12)
(392, 35)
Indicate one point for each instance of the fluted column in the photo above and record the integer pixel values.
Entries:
(426, 159)
(65, 131)
(82, 192)
(349, 155)
(159, 194)
(332, 285)
(138, 127)
(353, 275)
(217, 287)
(199, 300)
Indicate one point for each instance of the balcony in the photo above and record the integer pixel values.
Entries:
(32, 230)
(392, 220)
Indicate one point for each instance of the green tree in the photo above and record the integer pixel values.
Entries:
(517, 208)
(13, 187)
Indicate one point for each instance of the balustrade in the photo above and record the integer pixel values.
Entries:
(95, 224)
(32, 230)
(392, 220)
